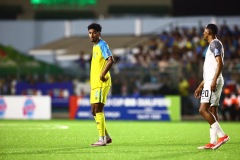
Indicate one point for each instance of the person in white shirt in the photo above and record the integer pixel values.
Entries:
(210, 88)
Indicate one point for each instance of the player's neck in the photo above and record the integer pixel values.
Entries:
(97, 41)
(210, 39)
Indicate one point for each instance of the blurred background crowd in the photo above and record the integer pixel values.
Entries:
(168, 62)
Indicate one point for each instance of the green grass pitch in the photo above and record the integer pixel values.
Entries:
(132, 140)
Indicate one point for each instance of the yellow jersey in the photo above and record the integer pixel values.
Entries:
(100, 54)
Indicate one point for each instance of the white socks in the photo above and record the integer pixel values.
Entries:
(217, 129)
(213, 136)
(102, 138)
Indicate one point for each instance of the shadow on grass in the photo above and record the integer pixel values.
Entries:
(45, 151)
(173, 155)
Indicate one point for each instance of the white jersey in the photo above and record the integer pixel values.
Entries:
(215, 49)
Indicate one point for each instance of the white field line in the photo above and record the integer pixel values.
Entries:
(32, 127)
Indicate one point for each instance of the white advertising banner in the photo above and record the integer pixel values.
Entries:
(25, 107)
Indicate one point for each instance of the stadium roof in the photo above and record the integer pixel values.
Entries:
(71, 47)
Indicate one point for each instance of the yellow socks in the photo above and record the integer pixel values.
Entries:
(106, 132)
(100, 120)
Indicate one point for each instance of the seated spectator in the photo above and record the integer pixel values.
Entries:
(229, 106)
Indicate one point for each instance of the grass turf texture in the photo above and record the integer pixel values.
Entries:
(66, 139)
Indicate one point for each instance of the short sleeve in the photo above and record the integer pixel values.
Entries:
(216, 48)
(106, 52)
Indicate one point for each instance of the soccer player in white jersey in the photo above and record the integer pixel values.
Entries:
(211, 87)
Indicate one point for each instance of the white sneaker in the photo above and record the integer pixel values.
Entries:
(98, 143)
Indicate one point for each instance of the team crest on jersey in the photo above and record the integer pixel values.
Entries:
(96, 94)
(216, 51)
(108, 52)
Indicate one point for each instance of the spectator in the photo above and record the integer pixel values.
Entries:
(183, 87)
(238, 106)
(229, 105)
(82, 63)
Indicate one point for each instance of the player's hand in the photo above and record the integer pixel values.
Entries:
(213, 87)
(197, 93)
(102, 78)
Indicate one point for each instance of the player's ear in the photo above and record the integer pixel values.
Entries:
(210, 32)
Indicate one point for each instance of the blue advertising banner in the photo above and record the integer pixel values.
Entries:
(165, 108)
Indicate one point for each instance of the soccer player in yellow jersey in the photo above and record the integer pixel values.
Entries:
(100, 81)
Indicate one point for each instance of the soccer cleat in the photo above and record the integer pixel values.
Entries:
(109, 140)
(98, 143)
(207, 146)
(221, 141)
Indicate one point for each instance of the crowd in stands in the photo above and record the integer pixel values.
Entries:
(171, 62)
(182, 49)
(230, 107)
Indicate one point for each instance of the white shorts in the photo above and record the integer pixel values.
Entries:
(211, 97)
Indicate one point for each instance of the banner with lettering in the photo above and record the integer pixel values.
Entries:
(162, 108)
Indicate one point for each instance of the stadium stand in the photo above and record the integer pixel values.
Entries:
(16, 63)
(162, 62)
(74, 44)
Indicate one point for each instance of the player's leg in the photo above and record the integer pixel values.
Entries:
(100, 124)
(208, 98)
(214, 111)
(96, 107)
(105, 92)
(100, 119)
(213, 134)
(223, 138)
(99, 97)
(204, 110)
(93, 110)
(108, 138)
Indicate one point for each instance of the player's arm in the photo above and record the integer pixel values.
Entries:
(217, 73)
(216, 48)
(198, 91)
(110, 61)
